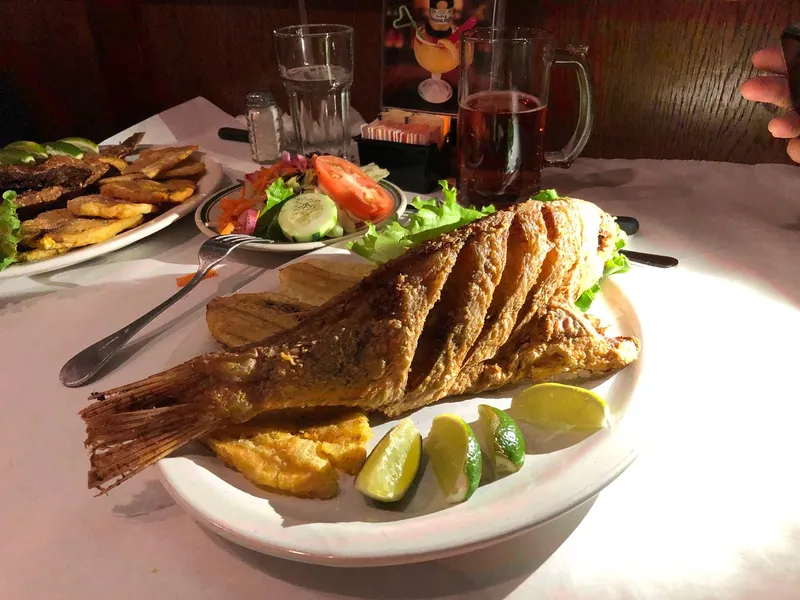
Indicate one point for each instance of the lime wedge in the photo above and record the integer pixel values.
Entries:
(12, 156)
(502, 438)
(392, 465)
(456, 457)
(82, 143)
(558, 407)
(63, 149)
(37, 150)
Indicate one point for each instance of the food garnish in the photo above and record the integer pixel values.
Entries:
(9, 229)
(502, 438)
(558, 407)
(431, 219)
(392, 466)
(455, 455)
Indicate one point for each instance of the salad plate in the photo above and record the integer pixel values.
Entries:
(351, 531)
(209, 211)
(293, 205)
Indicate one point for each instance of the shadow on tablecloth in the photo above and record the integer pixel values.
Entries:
(491, 573)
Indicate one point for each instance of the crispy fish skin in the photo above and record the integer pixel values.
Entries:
(155, 161)
(63, 171)
(527, 237)
(150, 192)
(97, 205)
(455, 322)
(297, 455)
(125, 148)
(360, 348)
(60, 229)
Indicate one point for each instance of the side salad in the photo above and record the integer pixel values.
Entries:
(434, 217)
(301, 200)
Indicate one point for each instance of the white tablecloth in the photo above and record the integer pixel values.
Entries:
(711, 509)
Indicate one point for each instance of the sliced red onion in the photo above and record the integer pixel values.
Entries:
(294, 160)
(247, 221)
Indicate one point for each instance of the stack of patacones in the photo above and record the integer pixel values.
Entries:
(66, 203)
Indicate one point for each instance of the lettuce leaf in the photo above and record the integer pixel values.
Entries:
(618, 263)
(433, 217)
(9, 229)
(546, 196)
(277, 193)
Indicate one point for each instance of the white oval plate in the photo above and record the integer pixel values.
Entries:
(348, 531)
(205, 186)
(208, 213)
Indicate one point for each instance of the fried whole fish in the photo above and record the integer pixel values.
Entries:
(403, 337)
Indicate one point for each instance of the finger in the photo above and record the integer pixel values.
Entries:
(774, 90)
(770, 60)
(793, 149)
(785, 127)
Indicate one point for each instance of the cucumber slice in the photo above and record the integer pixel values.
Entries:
(308, 217)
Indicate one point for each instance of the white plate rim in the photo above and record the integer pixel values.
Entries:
(206, 186)
(620, 449)
(397, 194)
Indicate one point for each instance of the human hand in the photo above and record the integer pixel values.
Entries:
(774, 88)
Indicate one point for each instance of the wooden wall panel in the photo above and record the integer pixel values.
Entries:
(220, 50)
(668, 73)
(47, 51)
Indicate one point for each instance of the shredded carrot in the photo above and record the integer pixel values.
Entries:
(183, 280)
(233, 207)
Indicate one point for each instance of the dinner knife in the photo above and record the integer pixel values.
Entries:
(651, 260)
(233, 135)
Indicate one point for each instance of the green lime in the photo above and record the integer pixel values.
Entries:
(502, 438)
(12, 156)
(559, 407)
(37, 150)
(82, 143)
(63, 149)
(455, 455)
(392, 465)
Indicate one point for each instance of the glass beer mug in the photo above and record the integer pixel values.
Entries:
(502, 110)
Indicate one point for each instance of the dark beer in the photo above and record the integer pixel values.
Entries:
(500, 147)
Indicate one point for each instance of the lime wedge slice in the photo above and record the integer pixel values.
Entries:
(392, 465)
(12, 156)
(82, 143)
(37, 150)
(456, 457)
(558, 407)
(502, 438)
(63, 149)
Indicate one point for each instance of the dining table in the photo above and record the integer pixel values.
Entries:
(710, 508)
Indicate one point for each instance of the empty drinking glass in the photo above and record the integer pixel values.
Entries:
(316, 66)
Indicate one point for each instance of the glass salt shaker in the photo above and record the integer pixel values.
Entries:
(264, 127)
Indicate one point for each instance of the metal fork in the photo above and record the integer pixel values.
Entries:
(82, 367)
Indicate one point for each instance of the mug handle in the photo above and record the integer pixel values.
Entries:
(575, 56)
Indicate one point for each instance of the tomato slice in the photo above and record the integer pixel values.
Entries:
(352, 189)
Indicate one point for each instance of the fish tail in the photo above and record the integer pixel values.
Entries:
(131, 427)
